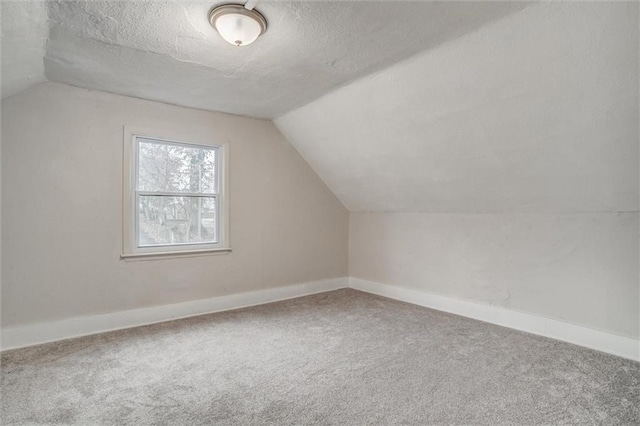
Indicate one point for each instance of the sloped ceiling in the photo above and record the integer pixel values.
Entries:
(537, 112)
(167, 50)
(436, 106)
(24, 35)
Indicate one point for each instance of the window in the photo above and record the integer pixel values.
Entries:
(174, 197)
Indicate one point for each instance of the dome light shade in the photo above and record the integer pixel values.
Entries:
(237, 25)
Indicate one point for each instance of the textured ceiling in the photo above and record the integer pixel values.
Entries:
(399, 106)
(167, 51)
(24, 35)
(537, 112)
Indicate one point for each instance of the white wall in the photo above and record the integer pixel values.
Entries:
(578, 268)
(500, 167)
(62, 209)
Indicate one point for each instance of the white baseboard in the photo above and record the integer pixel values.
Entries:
(595, 339)
(34, 334)
(14, 337)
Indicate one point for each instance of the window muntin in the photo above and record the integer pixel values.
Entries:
(176, 201)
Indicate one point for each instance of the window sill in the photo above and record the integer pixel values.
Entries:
(133, 257)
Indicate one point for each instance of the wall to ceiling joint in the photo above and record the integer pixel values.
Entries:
(499, 167)
(24, 36)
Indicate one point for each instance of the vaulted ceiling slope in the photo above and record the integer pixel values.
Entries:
(24, 35)
(537, 112)
(167, 51)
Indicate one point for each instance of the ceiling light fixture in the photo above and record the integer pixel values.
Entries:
(237, 24)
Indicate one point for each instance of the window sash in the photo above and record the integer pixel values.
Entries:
(195, 244)
(132, 247)
(138, 139)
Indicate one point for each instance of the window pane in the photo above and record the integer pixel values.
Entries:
(164, 220)
(175, 168)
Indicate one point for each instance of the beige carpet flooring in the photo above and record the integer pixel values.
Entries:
(338, 358)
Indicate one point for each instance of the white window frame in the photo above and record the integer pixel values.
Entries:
(130, 249)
